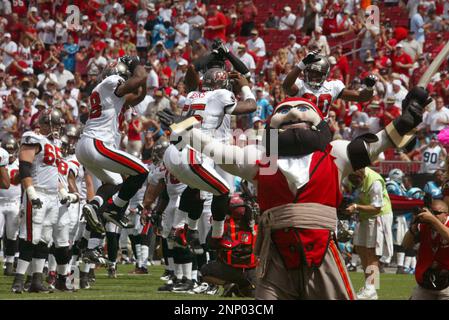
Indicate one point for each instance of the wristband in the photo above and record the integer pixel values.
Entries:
(355, 206)
(301, 65)
(247, 93)
(31, 193)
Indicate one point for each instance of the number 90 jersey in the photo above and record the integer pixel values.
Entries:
(324, 96)
(105, 107)
(45, 165)
(213, 109)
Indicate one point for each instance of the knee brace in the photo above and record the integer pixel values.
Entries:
(11, 247)
(220, 207)
(41, 251)
(191, 203)
(62, 255)
(26, 249)
(182, 255)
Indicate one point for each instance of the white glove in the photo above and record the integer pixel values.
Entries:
(34, 199)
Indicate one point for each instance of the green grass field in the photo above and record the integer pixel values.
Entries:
(144, 287)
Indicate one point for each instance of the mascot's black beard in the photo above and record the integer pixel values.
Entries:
(300, 142)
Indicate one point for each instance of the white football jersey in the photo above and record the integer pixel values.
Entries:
(14, 190)
(431, 159)
(64, 168)
(4, 157)
(45, 165)
(324, 96)
(105, 108)
(174, 187)
(213, 109)
(80, 183)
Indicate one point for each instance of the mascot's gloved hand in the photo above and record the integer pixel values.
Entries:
(370, 81)
(168, 117)
(412, 110)
(131, 62)
(310, 58)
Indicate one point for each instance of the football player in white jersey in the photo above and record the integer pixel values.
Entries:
(123, 85)
(4, 177)
(38, 169)
(315, 87)
(10, 208)
(68, 197)
(212, 106)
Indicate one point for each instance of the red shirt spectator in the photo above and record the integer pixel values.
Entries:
(390, 113)
(400, 33)
(402, 62)
(15, 27)
(234, 26)
(342, 63)
(215, 24)
(418, 72)
(38, 55)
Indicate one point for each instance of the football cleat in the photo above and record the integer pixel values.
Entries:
(401, 270)
(367, 294)
(184, 286)
(201, 288)
(213, 290)
(18, 284)
(27, 284)
(95, 255)
(167, 275)
(115, 215)
(9, 269)
(169, 286)
(37, 284)
(90, 214)
(61, 284)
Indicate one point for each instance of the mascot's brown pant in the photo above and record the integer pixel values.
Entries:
(330, 281)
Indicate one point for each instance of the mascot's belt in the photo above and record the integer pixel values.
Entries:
(292, 215)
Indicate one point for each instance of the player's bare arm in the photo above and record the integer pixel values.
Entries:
(4, 178)
(138, 79)
(26, 158)
(191, 79)
(152, 193)
(248, 104)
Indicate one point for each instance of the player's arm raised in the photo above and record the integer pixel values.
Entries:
(363, 95)
(27, 154)
(289, 85)
(138, 79)
(248, 103)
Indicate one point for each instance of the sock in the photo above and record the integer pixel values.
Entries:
(193, 224)
(119, 202)
(63, 269)
(195, 275)
(413, 263)
(9, 259)
(144, 252)
(187, 270)
(171, 264)
(73, 260)
(178, 271)
(112, 241)
(217, 229)
(92, 266)
(139, 255)
(51, 263)
(37, 265)
(354, 259)
(93, 243)
(407, 262)
(22, 266)
(400, 258)
(85, 268)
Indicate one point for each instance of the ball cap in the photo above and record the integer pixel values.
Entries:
(353, 108)
(397, 82)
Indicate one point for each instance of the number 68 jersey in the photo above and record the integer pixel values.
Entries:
(105, 107)
(45, 165)
(322, 97)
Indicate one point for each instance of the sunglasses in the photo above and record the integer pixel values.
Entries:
(436, 213)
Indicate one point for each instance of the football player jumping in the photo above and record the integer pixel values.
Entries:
(317, 89)
(123, 85)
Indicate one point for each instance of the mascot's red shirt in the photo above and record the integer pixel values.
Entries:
(323, 186)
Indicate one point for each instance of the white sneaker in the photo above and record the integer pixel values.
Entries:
(202, 288)
(367, 294)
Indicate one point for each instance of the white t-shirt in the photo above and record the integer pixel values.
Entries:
(286, 23)
(47, 37)
(435, 115)
(248, 60)
(11, 47)
(257, 44)
(184, 28)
